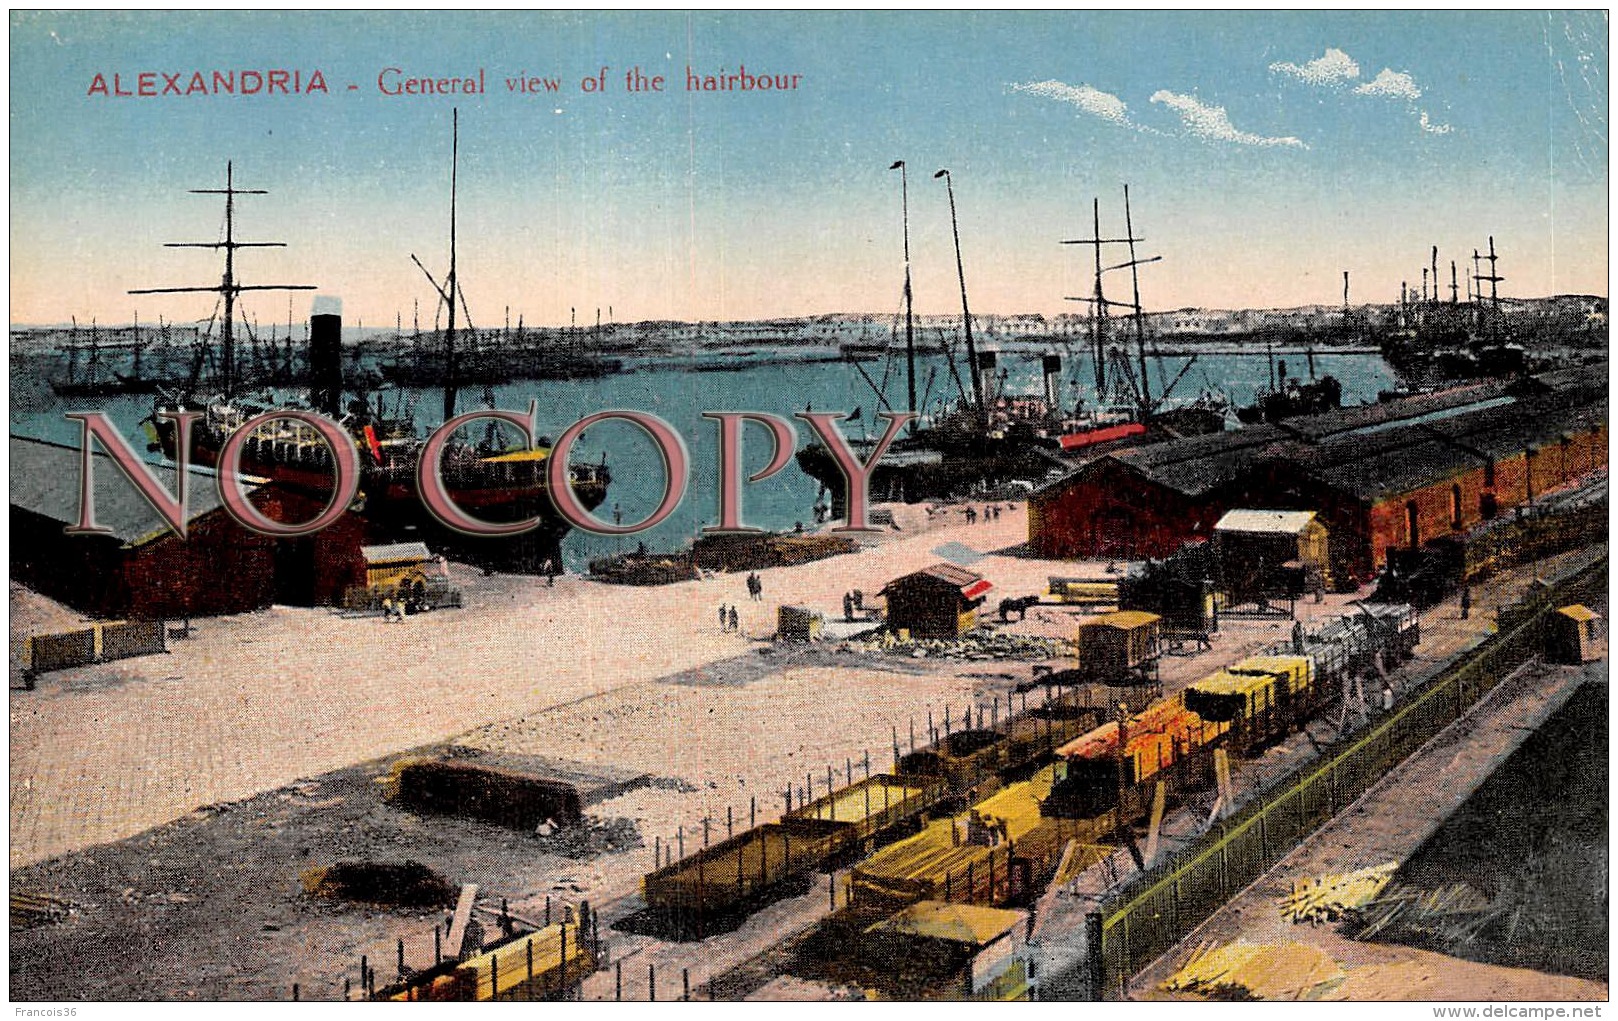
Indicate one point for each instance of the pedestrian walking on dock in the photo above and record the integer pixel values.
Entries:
(722, 617)
(1466, 601)
(550, 573)
(734, 626)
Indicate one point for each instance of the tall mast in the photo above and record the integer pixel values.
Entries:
(979, 405)
(1140, 320)
(910, 314)
(450, 285)
(228, 287)
(1098, 314)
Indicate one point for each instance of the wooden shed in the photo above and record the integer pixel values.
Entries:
(1266, 553)
(1119, 647)
(940, 601)
(1574, 635)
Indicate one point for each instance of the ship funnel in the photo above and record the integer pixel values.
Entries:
(986, 366)
(326, 363)
(1051, 364)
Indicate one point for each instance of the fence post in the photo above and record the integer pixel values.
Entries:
(1094, 952)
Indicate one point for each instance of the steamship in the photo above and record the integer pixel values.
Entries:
(992, 442)
(490, 483)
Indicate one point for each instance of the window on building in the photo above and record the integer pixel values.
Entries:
(1488, 473)
(1488, 506)
(1455, 507)
(1413, 521)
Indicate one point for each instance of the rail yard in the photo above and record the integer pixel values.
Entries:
(679, 808)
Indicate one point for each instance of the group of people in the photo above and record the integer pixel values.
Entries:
(991, 512)
(755, 587)
(727, 618)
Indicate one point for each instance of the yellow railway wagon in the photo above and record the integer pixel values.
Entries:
(1298, 672)
(987, 855)
(734, 871)
(1256, 705)
(874, 804)
(540, 965)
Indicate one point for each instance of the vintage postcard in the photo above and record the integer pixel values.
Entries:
(646, 506)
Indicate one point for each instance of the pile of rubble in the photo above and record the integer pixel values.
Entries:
(590, 837)
(974, 646)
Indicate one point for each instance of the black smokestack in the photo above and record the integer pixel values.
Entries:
(326, 363)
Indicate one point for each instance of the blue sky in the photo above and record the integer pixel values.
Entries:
(1266, 153)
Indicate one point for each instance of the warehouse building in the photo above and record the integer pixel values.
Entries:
(141, 569)
(1396, 474)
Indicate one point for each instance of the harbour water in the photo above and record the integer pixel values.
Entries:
(681, 394)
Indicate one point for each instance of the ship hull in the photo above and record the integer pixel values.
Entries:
(390, 503)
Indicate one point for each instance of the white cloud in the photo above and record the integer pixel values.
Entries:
(1431, 128)
(1391, 84)
(1213, 122)
(1087, 98)
(1333, 68)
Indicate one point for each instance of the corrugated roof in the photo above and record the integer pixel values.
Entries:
(960, 577)
(1265, 522)
(396, 552)
(45, 481)
(958, 923)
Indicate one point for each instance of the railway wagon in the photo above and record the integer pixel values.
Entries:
(968, 761)
(1262, 698)
(745, 868)
(990, 854)
(872, 805)
(1118, 646)
(1399, 629)
(539, 965)
(1167, 743)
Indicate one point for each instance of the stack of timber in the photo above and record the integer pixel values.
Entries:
(1255, 971)
(755, 552)
(545, 964)
(1330, 897)
(987, 855)
(644, 569)
(1450, 914)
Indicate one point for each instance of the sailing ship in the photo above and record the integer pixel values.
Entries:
(485, 480)
(1435, 341)
(995, 442)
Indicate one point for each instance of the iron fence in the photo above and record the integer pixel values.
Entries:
(1167, 906)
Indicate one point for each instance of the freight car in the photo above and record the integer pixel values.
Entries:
(1167, 743)
(1242, 708)
(1261, 699)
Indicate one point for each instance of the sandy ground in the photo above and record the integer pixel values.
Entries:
(174, 798)
(250, 703)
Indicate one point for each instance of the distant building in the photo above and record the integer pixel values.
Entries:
(143, 570)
